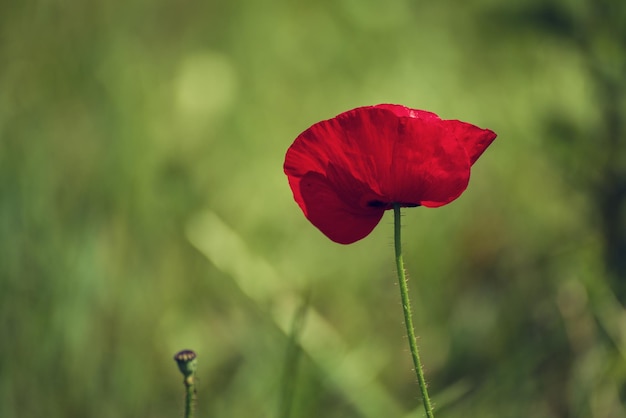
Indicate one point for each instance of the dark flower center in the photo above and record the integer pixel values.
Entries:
(379, 204)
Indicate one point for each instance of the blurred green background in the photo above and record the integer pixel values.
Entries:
(143, 210)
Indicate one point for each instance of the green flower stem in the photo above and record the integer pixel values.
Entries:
(406, 308)
(190, 397)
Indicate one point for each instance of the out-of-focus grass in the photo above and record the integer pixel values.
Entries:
(143, 210)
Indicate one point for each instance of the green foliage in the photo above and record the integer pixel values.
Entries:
(143, 210)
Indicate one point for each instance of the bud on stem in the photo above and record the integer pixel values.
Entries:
(187, 364)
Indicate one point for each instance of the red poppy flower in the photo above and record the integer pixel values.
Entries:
(346, 171)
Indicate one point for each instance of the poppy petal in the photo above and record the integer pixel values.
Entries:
(429, 167)
(352, 141)
(339, 220)
(406, 112)
(474, 139)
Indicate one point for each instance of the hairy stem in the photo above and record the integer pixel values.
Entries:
(406, 308)
(190, 396)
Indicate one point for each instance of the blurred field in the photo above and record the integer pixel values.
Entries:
(143, 210)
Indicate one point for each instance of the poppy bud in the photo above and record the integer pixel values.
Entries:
(187, 363)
